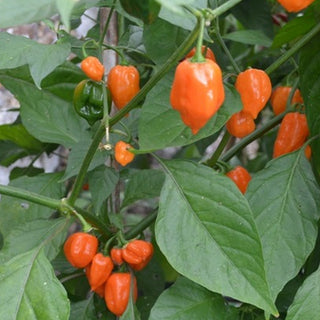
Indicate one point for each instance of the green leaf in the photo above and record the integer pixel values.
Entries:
(48, 113)
(50, 234)
(298, 26)
(255, 15)
(146, 10)
(309, 69)
(186, 300)
(254, 37)
(205, 227)
(176, 6)
(83, 310)
(151, 283)
(76, 156)
(10, 152)
(29, 171)
(14, 13)
(294, 29)
(306, 302)
(179, 16)
(14, 212)
(143, 184)
(160, 126)
(29, 289)
(18, 134)
(65, 9)
(161, 39)
(42, 59)
(76, 45)
(131, 313)
(102, 178)
(286, 216)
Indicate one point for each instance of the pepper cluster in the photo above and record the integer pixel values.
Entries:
(108, 275)
(254, 87)
(123, 84)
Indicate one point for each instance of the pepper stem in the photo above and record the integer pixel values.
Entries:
(106, 117)
(214, 158)
(86, 227)
(198, 57)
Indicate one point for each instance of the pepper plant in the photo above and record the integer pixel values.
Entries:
(210, 250)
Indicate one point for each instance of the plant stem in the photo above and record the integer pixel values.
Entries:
(105, 29)
(214, 158)
(95, 222)
(198, 57)
(178, 54)
(223, 8)
(53, 204)
(299, 44)
(30, 196)
(253, 136)
(86, 163)
(142, 225)
(225, 48)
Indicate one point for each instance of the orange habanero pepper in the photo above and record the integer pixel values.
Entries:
(80, 248)
(117, 292)
(240, 124)
(122, 154)
(254, 87)
(292, 134)
(240, 176)
(99, 270)
(295, 5)
(93, 68)
(197, 92)
(137, 253)
(124, 84)
(280, 96)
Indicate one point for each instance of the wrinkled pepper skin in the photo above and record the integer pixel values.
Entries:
(280, 96)
(197, 92)
(240, 124)
(207, 52)
(99, 271)
(292, 134)
(295, 5)
(122, 154)
(93, 68)
(88, 100)
(137, 253)
(80, 248)
(117, 292)
(254, 87)
(124, 84)
(240, 176)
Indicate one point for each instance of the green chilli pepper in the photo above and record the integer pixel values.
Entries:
(88, 100)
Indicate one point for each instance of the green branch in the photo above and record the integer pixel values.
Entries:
(141, 226)
(224, 141)
(55, 204)
(298, 45)
(30, 196)
(212, 14)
